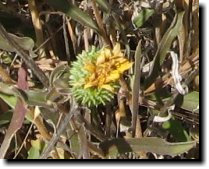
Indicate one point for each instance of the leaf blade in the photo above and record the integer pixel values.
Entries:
(147, 144)
(74, 12)
(164, 47)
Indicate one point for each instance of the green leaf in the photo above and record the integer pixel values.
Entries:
(176, 129)
(164, 47)
(104, 5)
(169, 36)
(35, 97)
(9, 99)
(191, 101)
(6, 58)
(34, 151)
(142, 17)
(74, 12)
(114, 147)
(25, 42)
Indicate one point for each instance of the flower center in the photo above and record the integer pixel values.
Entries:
(107, 69)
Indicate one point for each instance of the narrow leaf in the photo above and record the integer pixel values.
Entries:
(104, 5)
(9, 99)
(136, 86)
(114, 147)
(164, 47)
(142, 17)
(74, 12)
(191, 101)
(25, 42)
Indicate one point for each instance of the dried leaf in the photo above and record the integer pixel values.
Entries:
(136, 88)
(18, 116)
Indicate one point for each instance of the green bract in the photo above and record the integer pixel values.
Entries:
(91, 96)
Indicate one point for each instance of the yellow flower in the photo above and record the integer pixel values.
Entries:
(107, 69)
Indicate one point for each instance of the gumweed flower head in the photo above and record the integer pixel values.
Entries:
(94, 76)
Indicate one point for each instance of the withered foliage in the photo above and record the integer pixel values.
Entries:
(99, 79)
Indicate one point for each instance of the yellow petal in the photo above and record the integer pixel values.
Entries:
(120, 61)
(114, 75)
(91, 83)
(108, 87)
(107, 53)
(101, 80)
(125, 66)
(90, 67)
(88, 85)
(117, 51)
(116, 48)
(92, 77)
(101, 58)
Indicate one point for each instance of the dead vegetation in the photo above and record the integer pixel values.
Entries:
(99, 79)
